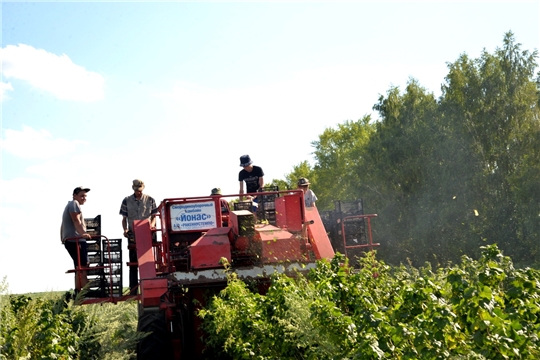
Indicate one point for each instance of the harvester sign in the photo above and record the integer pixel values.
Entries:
(193, 216)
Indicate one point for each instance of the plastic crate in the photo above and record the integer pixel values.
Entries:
(93, 226)
(347, 208)
(94, 271)
(94, 258)
(113, 288)
(114, 245)
(115, 269)
(116, 280)
(115, 291)
(114, 258)
(355, 232)
(92, 245)
(243, 205)
(112, 249)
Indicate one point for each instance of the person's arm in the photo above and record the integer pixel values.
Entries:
(241, 187)
(241, 192)
(123, 212)
(77, 221)
(261, 182)
(153, 214)
(125, 226)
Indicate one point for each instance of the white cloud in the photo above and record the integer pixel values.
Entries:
(275, 122)
(33, 144)
(55, 74)
(325, 96)
(4, 88)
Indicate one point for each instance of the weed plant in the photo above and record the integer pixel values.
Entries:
(51, 326)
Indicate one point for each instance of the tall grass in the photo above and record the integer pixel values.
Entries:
(52, 326)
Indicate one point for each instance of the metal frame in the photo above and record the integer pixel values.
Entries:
(79, 269)
(370, 243)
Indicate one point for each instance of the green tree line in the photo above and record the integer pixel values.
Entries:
(445, 175)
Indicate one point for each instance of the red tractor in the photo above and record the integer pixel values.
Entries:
(181, 269)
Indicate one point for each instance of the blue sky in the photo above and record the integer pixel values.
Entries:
(100, 93)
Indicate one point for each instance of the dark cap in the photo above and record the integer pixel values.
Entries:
(303, 182)
(245, 160)
(216, 191)
(78, 189)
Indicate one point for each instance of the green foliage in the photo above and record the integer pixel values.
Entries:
(301, 170)
(492, 102)
(446, 175)
(339, 153)
(113, 334)
(281, 184)
(478, 309)
(50, 326)
(34, 328)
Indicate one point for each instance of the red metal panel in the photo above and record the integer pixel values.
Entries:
(279, 245)
(207, 251)
(143, 238)
(152, 290)
(289, 211)
(318, 236)
(240, 221)
(242, 244)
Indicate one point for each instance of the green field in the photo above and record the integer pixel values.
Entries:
(477, 309)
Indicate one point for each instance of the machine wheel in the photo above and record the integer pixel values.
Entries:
(157, 344)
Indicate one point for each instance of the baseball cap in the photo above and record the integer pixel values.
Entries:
(78, 189)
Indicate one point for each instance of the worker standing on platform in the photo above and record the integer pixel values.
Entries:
(73, 226)
(251, 174)
(309, 195)
(137, 206)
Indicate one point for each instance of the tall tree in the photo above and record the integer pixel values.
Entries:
(445, 175)
(493, 103)
(338, 153)
(291, 179)
(401, 166)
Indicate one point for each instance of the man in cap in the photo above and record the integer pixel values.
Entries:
(309, 195)
(225, 208)
(137, 206)
(252, 175)
(73, 228)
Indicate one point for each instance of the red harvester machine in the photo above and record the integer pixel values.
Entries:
(185, 266)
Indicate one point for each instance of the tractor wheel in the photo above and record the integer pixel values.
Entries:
(157, 344)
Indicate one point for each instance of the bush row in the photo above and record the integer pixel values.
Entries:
(50, 326)
(478, 309)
